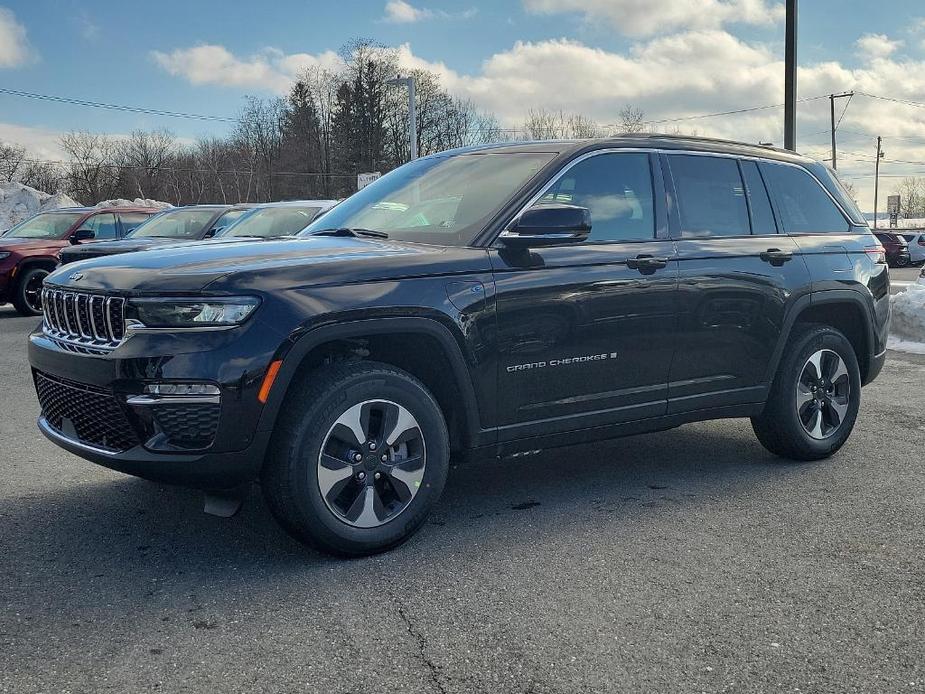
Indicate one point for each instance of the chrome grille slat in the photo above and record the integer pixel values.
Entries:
(83, 322)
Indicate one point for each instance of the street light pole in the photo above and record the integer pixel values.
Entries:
(412, 113)
(790, 78)
(877, 179)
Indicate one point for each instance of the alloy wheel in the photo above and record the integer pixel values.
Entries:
(32, 292)
(823, 394)
(371, 463)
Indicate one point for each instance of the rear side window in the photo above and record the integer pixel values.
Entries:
(617, 189)
(803, 204)
(130, 220)
(711, 196)
(758, 202)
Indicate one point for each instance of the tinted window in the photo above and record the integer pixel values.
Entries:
(758, 203)
(830, 179)
(48, 225)
(444, 199)
(803, 204)
(227, 219)
(181, 223)
(711, 197)
(617, 188)
(103, 226)
(130, 220)
(271, 222)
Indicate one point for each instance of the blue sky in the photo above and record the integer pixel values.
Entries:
(508, 56)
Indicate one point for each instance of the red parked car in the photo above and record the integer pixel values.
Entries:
(29, 251)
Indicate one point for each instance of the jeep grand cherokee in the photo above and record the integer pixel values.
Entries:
(491, 301)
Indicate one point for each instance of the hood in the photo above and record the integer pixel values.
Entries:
(23, 244)
(265, 266)
(99, 248)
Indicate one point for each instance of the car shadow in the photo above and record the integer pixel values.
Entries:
(131, 529)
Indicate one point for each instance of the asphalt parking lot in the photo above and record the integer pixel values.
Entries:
(689, 560)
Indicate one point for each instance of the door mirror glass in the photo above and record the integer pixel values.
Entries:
(549, 224)
(83, 234)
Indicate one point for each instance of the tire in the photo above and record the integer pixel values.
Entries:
(808, 431)
(24, 298)
(901, 262)
(315, 498)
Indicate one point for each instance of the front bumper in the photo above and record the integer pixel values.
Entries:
(95, 406)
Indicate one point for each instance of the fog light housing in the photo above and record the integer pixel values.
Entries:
(181, 389)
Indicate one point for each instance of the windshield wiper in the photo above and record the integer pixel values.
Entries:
(348, 231)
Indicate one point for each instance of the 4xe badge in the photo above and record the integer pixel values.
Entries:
(76, 277)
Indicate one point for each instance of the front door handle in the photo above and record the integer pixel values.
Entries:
(775, 256)
(646, 264)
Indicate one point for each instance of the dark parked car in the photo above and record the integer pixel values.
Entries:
(29, 251)
(572, 292)
(896, 248)
(177, 224)
(273, 220)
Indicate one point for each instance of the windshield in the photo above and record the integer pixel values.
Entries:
(47, 225)
(443, 200)
(270, 222)
(176, 224)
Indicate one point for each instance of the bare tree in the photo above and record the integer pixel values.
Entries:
(632, 120)
(93, 173)
(47, 176)
(558, 125)
(12, 158)
(911, 191)
(142, 157)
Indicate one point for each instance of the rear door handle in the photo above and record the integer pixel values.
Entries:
(775, 256)
(646, 264)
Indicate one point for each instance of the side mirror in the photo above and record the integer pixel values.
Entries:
(548, 224)
(214, 232)
(82, 235)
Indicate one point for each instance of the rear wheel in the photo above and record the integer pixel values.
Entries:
(360, 458)
(815, 398)
(27, 296)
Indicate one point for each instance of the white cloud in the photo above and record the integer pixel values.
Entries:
(270, 70)
(401, 12)
(40, 143)
(878, 45)
(14, 44)
(647, 17)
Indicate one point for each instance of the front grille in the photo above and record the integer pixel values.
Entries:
(90, 322)
(85, 413)
(188, 425)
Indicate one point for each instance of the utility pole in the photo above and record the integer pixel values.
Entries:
(832, 98)
(790, 78)
(877, 179)
(412, 113)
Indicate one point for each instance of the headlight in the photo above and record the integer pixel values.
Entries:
(214, 312)
(5, 254)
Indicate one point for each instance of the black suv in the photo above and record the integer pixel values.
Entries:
(491, 301)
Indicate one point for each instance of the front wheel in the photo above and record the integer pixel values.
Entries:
(27, 296)
(360, 457)
(815, 397)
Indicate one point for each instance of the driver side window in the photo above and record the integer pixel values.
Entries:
(617, 188)
(103, 226)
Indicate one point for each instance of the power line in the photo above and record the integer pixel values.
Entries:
(107, 165)
(722, 113)
(113, 107)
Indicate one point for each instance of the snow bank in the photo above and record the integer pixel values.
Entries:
(907, 329)
(137, 202)
(19, 202)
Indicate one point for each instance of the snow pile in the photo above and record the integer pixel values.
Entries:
(907, 329)
(137, 202)
(19, 202)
